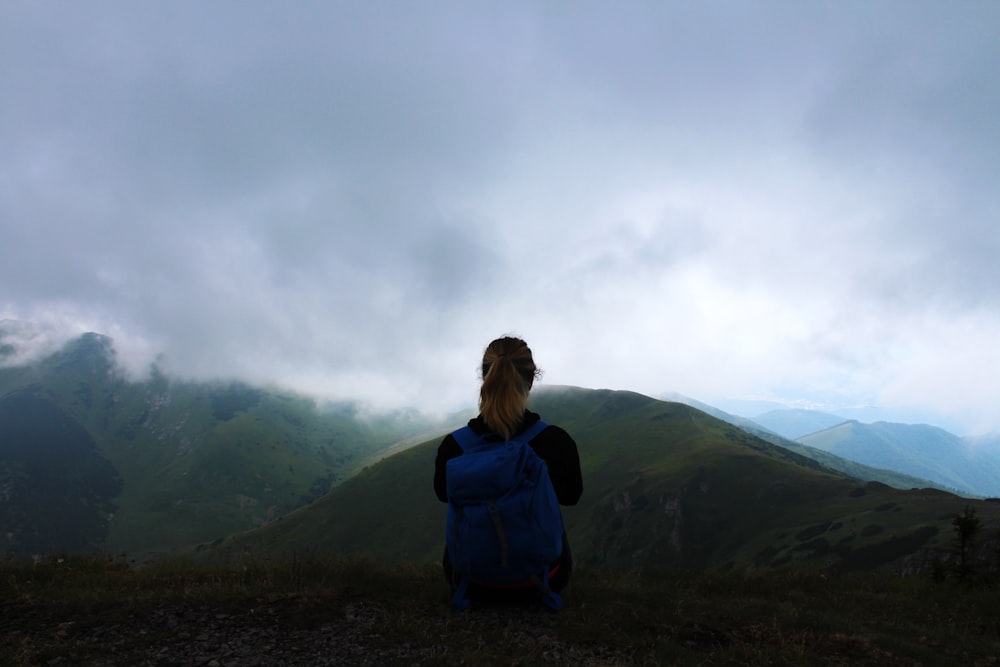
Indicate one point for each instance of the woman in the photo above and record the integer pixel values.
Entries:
(508, 373)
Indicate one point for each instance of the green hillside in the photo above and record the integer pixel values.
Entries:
(167, 463)
(92, 462)
(666, 486)
(53, 480)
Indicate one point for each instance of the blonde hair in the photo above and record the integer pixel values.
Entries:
(508, 373)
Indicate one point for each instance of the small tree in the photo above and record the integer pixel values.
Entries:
(967, 526)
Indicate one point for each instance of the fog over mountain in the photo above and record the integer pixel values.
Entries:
(782, 202)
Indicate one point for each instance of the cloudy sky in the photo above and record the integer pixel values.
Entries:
(782, 201)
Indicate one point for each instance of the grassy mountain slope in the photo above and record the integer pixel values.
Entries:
(53, 481)
(666, 485)
(194, 461)
(924, 451)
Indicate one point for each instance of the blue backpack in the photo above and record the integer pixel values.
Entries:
(504, 522)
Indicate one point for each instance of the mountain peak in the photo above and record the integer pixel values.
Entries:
(91, 350)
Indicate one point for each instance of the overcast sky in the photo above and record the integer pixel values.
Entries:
(791, 201)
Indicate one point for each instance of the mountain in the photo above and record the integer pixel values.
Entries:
(90, 461)
(988, 442)
(53, 479)
(794, 424)
(915, 449)
(846, 466)
(666, 486)
(865, 414)
(864, 452)
(93, 462)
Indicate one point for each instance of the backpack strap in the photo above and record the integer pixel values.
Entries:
(469, 440)
(550, 598)
(530, 433)
(459, 600)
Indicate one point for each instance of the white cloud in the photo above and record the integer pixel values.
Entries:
(795, 201)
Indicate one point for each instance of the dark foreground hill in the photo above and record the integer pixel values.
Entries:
(666, 486)
(332, 612)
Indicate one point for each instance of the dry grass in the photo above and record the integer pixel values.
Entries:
(53, 610)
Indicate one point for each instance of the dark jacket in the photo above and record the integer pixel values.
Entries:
(553, 445)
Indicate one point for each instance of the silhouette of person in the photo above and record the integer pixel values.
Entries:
(508, 373)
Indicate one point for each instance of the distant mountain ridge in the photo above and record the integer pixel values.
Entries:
(915, 449)
(901, 455)
(796, 423)
(845, 465)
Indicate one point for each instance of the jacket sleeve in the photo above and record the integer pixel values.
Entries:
(559, 450)
(448, 449)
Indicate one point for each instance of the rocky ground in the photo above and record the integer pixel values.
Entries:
(275, 632)
(356, 613)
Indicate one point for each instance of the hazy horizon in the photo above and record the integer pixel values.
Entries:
(29, 344)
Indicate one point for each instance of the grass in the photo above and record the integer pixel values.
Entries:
(668, 618)
(664, 486)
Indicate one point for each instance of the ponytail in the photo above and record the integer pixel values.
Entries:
(508, 373)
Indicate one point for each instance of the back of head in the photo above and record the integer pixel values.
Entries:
(508, 373)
